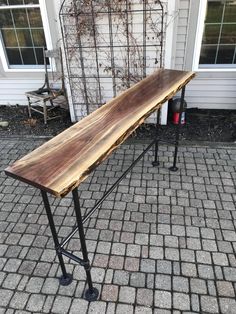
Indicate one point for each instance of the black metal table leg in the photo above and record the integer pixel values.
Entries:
(66, 278)
(156, 163)
(91, 293)
(174, 168)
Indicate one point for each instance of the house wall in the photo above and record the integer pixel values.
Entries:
(209, 90)
(14, 84)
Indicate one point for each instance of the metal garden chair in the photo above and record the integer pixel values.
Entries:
(53, 93)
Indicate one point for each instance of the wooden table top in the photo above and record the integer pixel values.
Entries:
(61, 164)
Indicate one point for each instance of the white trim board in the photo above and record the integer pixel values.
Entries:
(57, 6)
(168, 60)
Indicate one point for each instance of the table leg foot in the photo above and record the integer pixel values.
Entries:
(173, 168)
(155, 163)
(91, 294)
(65, 281)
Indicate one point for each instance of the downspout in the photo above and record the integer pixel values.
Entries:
(171, 10)
(67, 79)
(187, 36)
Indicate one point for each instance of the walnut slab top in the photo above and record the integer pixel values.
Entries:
(61, 164)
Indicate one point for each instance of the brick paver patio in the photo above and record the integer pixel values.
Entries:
(162, 243)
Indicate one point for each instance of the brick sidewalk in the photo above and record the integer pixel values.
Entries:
(161, 243)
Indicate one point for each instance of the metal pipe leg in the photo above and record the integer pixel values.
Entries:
(66, 278)
(174, 168)
(156, 163)
(91, 293)
(45, 113)
(29, 107)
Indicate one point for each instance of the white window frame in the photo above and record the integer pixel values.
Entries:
(44, 16)
(198, 43)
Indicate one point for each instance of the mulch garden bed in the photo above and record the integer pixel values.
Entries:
(201, 125)
(21, 125)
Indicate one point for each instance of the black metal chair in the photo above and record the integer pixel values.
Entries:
(53, 93)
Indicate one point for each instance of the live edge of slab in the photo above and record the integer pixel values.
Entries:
(61, 164)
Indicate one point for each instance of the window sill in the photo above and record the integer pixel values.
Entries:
(216, 70)
(25, 70)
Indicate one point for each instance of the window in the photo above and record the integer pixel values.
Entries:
(22, 33)
(219, 37)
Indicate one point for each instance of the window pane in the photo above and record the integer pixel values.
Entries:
(20, 18)
(211, 34)
(24, 38)
(208, 54)
(35, 17)
(9, 38)
(31, 1)
(225, 54)
(214, 12)
(15, 2)
(18, 2)
(28, 56)
(38, 37)
(5, 19)
(230, 12)
(39, 55)
(13, 56)
(228, 34)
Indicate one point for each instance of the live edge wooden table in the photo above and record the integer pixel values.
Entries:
(61, 164)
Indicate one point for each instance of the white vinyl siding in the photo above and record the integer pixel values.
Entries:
(12, 90)
(181, 33)
(212, 91)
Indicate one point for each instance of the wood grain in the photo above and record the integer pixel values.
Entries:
(62, 163)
